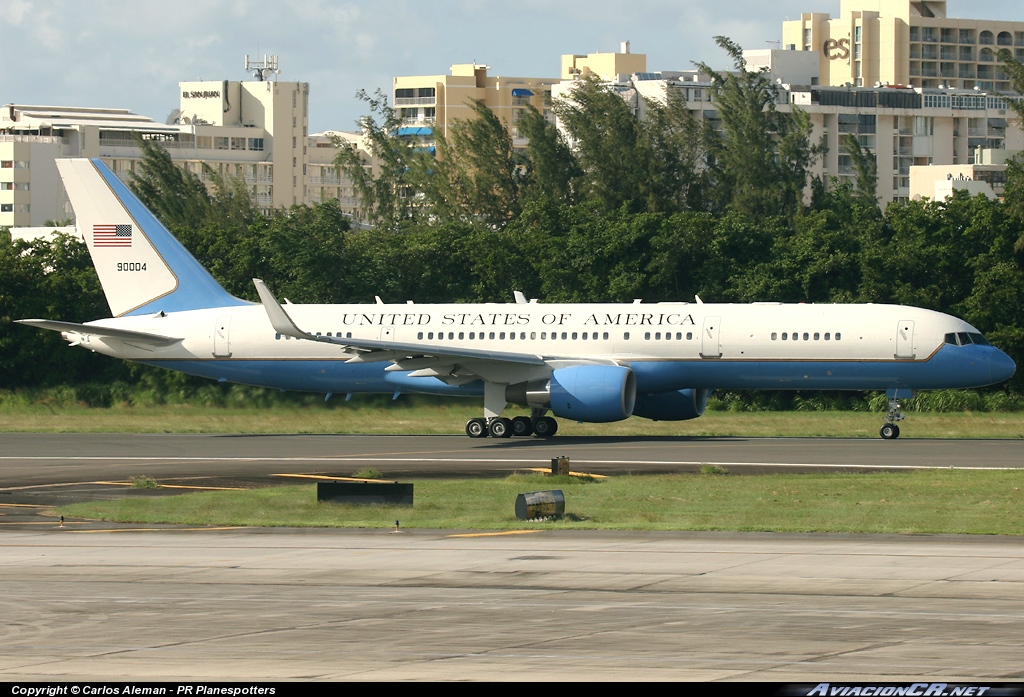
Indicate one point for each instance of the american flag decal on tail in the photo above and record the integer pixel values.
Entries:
(112, 235)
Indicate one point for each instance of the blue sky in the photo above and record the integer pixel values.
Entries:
(113, 53)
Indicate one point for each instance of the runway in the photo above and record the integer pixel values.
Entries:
(56, 468)
(122, 602)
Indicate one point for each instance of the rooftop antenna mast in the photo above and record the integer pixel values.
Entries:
(261, 69)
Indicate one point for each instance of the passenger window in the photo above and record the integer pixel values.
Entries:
(647, 336)
(522, 335)
(584, 336)
(625, 336)
(502, 335)
(533, 335)
(816, 336)
(461, 335)
(277, 336)
(775, 336)
(657, 336)
(679, 336)
(543, 335)
(828, 336)
(605, 336)
(472, 335)
(838, 336)
(511, 336)
(492, 335)
(796, 336)
(418, 336)
(785, 336)
(566, 336)
(807, 336)
(574, 336)
(689, 336)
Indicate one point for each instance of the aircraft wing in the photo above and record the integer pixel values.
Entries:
(382, 350)
(96, 330)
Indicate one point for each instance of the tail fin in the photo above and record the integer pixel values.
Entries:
(142, 268)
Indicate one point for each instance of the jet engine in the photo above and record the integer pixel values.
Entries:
(671, 406)
(594, 393)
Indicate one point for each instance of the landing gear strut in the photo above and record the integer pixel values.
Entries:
(889, 429)
(493, 424)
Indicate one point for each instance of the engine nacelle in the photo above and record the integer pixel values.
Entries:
(594, 393)
(671, 406)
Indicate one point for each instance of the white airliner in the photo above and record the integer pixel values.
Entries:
(587, 362)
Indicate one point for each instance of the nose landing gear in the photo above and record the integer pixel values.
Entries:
(889, 430)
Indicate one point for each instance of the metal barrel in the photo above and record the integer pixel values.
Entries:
(540, 504)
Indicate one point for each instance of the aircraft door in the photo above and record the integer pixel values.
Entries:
(710, 344)
(905, 339)
(387, 333)
(222, 337)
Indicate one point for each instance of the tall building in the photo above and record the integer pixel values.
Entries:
(429, 104)
(905, 42)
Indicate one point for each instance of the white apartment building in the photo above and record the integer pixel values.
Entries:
(255, 130)
(902, 126)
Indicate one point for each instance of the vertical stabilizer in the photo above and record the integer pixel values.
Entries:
(141, 267)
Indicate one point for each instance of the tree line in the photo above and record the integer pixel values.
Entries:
(613, 209)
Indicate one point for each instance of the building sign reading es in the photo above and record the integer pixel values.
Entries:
(836, 49)
(205, 94)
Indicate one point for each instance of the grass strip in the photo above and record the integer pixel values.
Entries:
(933, 501)
(450, 419)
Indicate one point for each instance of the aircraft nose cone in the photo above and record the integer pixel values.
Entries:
(1001, 366)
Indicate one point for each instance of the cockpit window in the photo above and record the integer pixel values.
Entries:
(966, 339)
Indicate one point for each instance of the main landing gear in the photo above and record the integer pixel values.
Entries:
(500, 427)
(889, 429)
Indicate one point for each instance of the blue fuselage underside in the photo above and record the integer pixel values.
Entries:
(950, 367)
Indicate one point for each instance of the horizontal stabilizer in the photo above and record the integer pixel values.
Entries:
(97, 330)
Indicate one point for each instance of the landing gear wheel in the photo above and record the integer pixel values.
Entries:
(522, 426)
(545, 427)
(889, 431)
(476, 428)
(500, 428)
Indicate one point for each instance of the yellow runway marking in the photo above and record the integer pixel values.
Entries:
(547, 470)
(494, 534)
(177, 486)
(324, 476)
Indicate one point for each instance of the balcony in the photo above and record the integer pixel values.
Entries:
(414, 101)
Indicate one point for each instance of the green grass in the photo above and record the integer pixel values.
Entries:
(933, 501)
(450, 417)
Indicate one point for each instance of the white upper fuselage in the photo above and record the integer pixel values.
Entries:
(560, 334)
